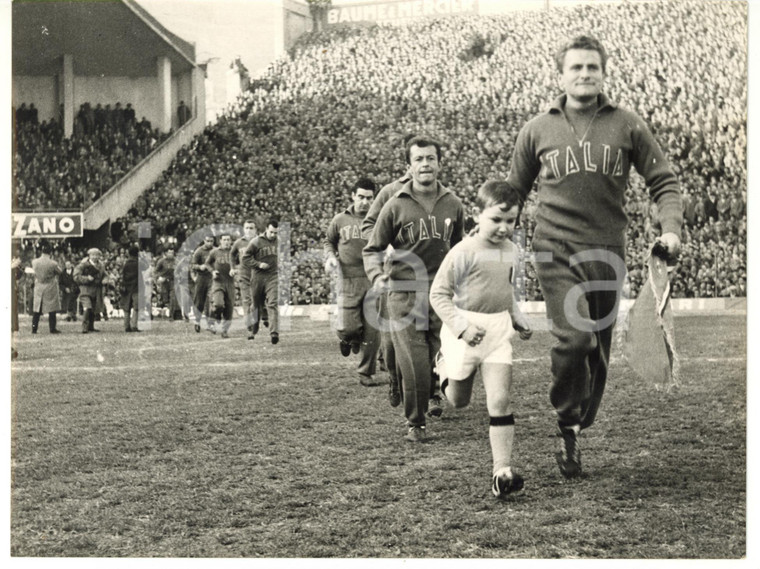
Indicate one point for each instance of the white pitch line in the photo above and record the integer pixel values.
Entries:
(255, 365)
(617, 359)
(252, 365)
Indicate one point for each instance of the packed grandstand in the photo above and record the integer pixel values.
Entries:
(339, 104)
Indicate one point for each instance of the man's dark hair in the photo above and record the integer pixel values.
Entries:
(496, 192)
(45, 247)
(409, 136)
(581, 42)
(422, 142)
(364, 184)
(274, 222)
(133, 251)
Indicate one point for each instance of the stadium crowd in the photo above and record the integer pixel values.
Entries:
(339, 105)
(52, 172)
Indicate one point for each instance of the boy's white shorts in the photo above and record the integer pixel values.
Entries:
(461, 359)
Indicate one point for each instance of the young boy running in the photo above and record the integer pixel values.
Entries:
(472, 293)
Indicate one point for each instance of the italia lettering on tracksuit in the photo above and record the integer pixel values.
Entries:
(405, 224)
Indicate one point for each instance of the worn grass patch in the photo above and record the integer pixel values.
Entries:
(175, 444)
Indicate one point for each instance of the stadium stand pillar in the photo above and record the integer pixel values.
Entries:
(165, 94)
(66, 94)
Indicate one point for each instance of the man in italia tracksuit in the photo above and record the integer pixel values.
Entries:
(261, 256)
(422, 222)
(581, 151)
(343, 246)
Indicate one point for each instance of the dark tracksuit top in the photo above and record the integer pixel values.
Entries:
(382, 197)
(237, 250)
(198, 264)
(344, 241)
(261, 250)
(581, 185)
(406, 225)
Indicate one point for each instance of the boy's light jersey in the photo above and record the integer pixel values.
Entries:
(475, 276)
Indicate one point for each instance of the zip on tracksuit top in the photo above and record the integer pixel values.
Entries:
(408, 227)
(344, 242)
(581, 183)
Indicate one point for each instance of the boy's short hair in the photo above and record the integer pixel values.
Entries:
(495, 192)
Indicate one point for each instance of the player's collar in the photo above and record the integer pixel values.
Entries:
(406, 189)
(558, 105)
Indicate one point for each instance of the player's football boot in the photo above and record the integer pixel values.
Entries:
(225, 335)
(505, 482)
(434, 407)
(569, 455)
(275, 337)
(356, 347)
(345, 349)
(416, 434)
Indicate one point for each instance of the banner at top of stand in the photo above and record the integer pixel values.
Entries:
(47, 225)
(399, 10)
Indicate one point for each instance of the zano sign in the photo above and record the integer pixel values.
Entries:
(31, 225)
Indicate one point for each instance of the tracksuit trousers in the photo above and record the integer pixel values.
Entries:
(582, 301)
(416, 335)
(352, 326)
(264, 293)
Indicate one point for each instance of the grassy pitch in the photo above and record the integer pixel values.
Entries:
(170, 443)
